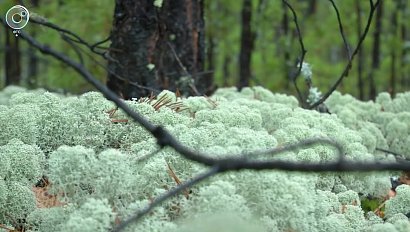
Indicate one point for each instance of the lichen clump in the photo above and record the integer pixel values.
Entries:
(103, 167)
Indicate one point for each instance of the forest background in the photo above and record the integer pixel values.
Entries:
(266, 31)
(383, 63)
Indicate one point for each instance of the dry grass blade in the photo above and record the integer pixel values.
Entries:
(162, 101)
(18, 227)
(177, 106)
(43, 198)
(405, 178)
(378, 211)
(111, 114)
(119, 120)
(151, 98)
(212, 102)
(8, 229)
(177, 180)
(177, 93)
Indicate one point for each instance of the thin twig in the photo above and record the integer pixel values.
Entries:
(342, 34)
(302, 56)
(373, 6)
(71, 37)
(186, 73)
(177, 59)
(397, 155)
(6, 228)
(75, 48)
(297, 146)
(139, 214)
(148, 155)
(177, 180)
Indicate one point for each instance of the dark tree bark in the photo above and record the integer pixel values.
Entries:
(393, 52)
(210, 63)
(286, 53)
(225, 68)
(404, 73)
(376, 50)
(311, 10)
(393, 74)
(154, 47)
(12, 58)
(360, 54)
(247, 44)
(32, 69)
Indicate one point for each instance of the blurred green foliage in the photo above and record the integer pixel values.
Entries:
(370, 204)
(92, 20)
(321, 37)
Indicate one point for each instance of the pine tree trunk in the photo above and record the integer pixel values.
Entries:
(155, 48)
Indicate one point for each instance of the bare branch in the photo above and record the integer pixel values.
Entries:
(69, 35)
(373, 7)
(185, 71)
(397, 155)
(71, 38)
(302, 57)
(339, 20)
(139, 214)
(174, 53)
(75, 48)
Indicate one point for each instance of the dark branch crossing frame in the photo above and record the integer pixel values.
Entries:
(235, 162)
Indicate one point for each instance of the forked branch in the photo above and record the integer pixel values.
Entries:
(373, 7)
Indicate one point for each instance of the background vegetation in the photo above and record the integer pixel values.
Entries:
(45, 125)
(274, 54)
